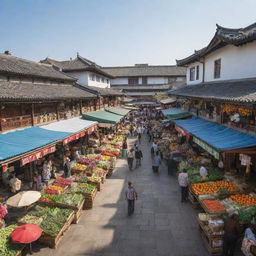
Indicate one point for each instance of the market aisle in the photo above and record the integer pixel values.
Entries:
(161, 225)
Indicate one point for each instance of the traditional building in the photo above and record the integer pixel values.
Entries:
(33, 94)
(144, 81)
(221, 87)
(87, 72)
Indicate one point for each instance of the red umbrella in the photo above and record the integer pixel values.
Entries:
(26, 234)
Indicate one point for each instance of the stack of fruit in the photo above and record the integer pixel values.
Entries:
(244, 200)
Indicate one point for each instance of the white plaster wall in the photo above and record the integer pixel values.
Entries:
(81, 76)
(236, 62)
(157, 80)
(194, 64)
(119, 80)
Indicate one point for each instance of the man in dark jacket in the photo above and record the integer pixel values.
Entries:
(138, 156)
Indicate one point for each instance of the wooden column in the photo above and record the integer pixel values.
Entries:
(80, 107)
(32, 114)
(57, 112)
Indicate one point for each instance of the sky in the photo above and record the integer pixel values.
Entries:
(116, 32)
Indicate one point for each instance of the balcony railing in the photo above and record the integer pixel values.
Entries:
(10, 123)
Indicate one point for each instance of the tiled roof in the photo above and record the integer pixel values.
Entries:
(11, 91)
(142, 87)
(242, 90)
(222, 37)
(145, 70)
(15, 66)
(100, 91)
(78, 64)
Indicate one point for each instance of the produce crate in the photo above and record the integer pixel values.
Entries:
(89, 198)
(97, 184)
(103, 178)
(217, 213)
(193, 198)
(78, 209)
(53, 241)
(110, 171)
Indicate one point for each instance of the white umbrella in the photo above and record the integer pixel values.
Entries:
(24, 198)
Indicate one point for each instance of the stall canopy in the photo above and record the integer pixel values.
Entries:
(103, 116)
(72, 125)
(218, 136)
(168, 101)
(118, 111)
(21, 141)
(175, 113)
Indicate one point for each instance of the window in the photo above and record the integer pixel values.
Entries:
(217, 67)
(103, 80)
(107, 81)
(97, 78)
(93, 77)
(144, 80)
(133, 80)
(197, 72)
(192, 74)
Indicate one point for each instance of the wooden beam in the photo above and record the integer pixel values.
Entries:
(57, 111)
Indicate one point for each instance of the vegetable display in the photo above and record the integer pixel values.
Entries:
(213, 187)
(53, 218)
(7, 248)
(68, 199)
(244, 200)
(29, 219)
(83, 188)
(245, 215)
(213, 205)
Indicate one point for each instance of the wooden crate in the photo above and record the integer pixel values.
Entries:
(103, 179)
(77, 209)
(97, 184)
(53, 241)
(208, 238)
(193, 199)
(211, 212)
(88, 202)
(110, 171)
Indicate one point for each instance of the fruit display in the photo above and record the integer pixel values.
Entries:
(67, 199)
(213, 206)
(118, 138)
(79, 167)
(83, 180)
(7, 248)
(86, 161)
(94, 179)
(99, 172)
(55, 189)
(104, 164)
(53, 218)
(244, 200)
(213, 187)
(95, 156)
(64, 181)
(78, 176)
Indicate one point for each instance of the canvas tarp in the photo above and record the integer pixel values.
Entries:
(102, 116)
(175, 113)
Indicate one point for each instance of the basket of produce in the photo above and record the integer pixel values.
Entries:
(213, 187)
(79, 168)
(244, 200)
(95, 181)
(213, 206)
(55, 222)
(7, 247)
(29, 219)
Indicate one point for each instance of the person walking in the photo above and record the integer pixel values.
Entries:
(138, 157)
(183, 182)
(131, 195)
(156, 162)
(125, 147)
(130, 157)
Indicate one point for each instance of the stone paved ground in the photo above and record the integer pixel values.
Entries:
(161, 225)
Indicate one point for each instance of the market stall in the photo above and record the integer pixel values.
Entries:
(175, 113)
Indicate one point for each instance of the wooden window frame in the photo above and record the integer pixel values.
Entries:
(217, 69)
(133, 80)
(192, 74)
(197, 72)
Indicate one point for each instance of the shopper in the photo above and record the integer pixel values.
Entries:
(131, 195)
(131, 130)
(231, 233)
(46, 172)
(125, 147)
(66, 162)
(130, 157)
(38, 181)
(15, 184)
(172, 165)
(138, 156)
(203, 172)
(249, 240)
(156, 162)
(183, 182)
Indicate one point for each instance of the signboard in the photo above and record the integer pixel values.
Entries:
(91, 130)
(207, 148)
(74, 137)
(245, 159)
(37, 155)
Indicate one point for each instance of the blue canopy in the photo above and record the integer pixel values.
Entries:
(22, 141)
(219, 136)
(175, 113)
